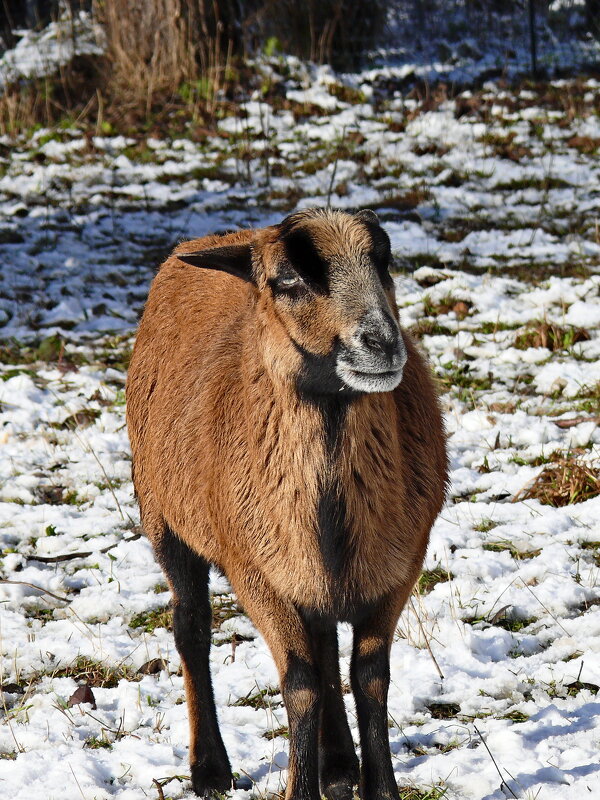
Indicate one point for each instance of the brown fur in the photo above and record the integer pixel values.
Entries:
(228, 454)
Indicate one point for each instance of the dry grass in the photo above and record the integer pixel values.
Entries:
(551, 336)
(93, 673)
(170, 62)
(69, 95)
(21, 107)
(161, 56)
(153, 50)
(460, 307)
(566, 481)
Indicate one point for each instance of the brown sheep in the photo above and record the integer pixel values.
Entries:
(286, 430)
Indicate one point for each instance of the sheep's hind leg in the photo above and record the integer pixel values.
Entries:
(338, 763)
(192, 620)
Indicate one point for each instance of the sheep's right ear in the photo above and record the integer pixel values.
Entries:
(234, 259)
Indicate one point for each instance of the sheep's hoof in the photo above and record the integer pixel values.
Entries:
(339, 775)
(341, 790)
(209, 779)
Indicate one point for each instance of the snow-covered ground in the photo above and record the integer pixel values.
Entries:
(42, 52)
(492, 203)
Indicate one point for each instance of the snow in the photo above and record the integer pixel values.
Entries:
(84, 226)
(40, 53)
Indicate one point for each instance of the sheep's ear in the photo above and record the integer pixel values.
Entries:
(366, 215)
(235, 259)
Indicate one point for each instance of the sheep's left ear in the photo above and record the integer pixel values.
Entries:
(369, 216)
(235, 259)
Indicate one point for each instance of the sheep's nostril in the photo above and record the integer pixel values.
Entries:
(373, 342)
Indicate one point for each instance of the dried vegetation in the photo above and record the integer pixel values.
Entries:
(565, 481)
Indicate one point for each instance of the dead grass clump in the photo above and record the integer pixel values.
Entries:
(407, 201)
(68, 96)
(161, 56)
(551, 336)
(504, 146)
(564, 482)
(585, 144)
(93, 673)
(156, 618)
(153, 50)
(428, 327)
(430, 578)
(460, 307)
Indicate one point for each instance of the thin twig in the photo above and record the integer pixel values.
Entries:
(437, 666)
(116, 731)
(161, 794)
(333, 174)
(20, 749)
(91, 450)
(546, 609)
(39, 588)
(494, 762)
(77, 782)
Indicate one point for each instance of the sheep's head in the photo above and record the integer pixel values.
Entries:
(322, 279)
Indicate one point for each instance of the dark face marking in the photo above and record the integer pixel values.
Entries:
(380, 252)
(304, 257)
(318, 379)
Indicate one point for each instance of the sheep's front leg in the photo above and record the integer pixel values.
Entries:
(338, 764)
(370, 678)
(287, 637)
(192, 622)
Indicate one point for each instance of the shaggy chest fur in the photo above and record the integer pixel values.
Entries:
(319, 492)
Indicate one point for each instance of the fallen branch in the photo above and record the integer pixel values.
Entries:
(80, 554)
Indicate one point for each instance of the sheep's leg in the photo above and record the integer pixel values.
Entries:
(370, 678)
(289, 642)
(338, 764)
(192, 621)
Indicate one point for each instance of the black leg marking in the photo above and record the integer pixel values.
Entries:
(370, 676)
(302, 700)
(192, 621)
(338, 763)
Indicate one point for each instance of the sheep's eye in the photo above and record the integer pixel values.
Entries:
(288, 285)
(289, 281)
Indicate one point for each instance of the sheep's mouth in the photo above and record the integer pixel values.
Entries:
(365, 380)
(361, 373)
